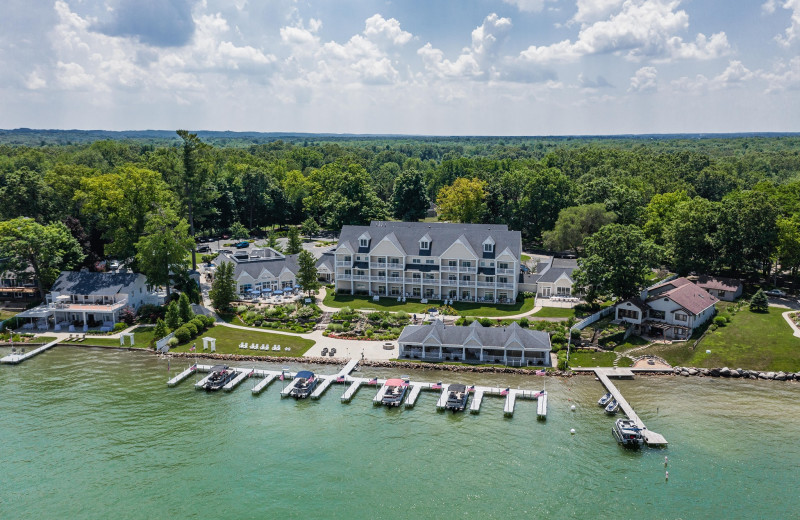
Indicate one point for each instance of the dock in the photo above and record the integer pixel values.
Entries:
(261, 385)
(511, 399)
(242, 375)
(183, 375)
(286, 391)
(541, 405)
(379, 396)
(412, 395)
(477, 399)
(351, 391)
(321, 387)
(604, 374)
(15, 359)
(442, 402)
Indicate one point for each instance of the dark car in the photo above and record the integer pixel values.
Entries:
(243, 244)
(203, 248)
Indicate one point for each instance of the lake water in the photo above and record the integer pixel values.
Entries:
(92, 433)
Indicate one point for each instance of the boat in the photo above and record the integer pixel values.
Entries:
(612, 407)
(306, 382)
(456, 398)
(220, 376)
(395, 391)
(603, 401)
(627, 433)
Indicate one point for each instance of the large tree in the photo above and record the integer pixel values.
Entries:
(295, 244)
(223, 288)
(48, 249)
(307, 276)
(192, 180)
(688, 236)
(746, 233)
(617, 262)
(410, 202)
(162, 248)
(462, 201)
(576, 223)
(344, 195)
(660, 213)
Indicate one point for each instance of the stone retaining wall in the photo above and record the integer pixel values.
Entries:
(736, 373)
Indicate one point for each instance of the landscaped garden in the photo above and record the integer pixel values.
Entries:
(296, 318)
(228, 339)
(378, 325)
(143, 337)
(522, 305)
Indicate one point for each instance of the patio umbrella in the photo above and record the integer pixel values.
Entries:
(278, 291)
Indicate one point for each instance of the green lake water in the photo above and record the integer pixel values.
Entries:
(92, 433)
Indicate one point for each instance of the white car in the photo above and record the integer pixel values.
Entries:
(775, 292)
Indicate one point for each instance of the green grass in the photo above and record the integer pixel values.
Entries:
(592, 359)
(142, 336)
(554, 312)
(228, 340)
(463, 308)
(630, 343)
(751, 341)
(524, 258)
(4, 315)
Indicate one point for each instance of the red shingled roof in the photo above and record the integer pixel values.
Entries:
(719, 283)
(686, 294)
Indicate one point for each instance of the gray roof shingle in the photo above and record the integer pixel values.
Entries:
(101, 284)
(488, 337)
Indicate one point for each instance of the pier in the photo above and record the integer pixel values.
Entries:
(354, 383)
(604, 374)
(15, 359)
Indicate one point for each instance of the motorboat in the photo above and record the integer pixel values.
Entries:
(627, 433)
(306, 382)
(456, 398)
(395, 391)
(603, 401)
(220, 376)
(612, 407)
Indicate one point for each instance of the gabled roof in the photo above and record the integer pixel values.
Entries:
(487, 337)
(101, 284)
(442, 235)
(691, 297)
(554, 268)
(719, 283)
(266, 259)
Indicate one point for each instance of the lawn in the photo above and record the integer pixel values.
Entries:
(554, 312)
(630, 343)
(592, 359)
(142, 336)
(228, 340)
(4, 315)
(524, 258)
(391, 304)
(751, 341)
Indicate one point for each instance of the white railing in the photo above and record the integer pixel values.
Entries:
(468, 269)
(505, 271)
(361, 277)
(377, 278)
(486, 284)
(505, 285)
(378, 265)
(449, 268)
(593, 318)
(87, 306)
(341, 263)
(161, 345)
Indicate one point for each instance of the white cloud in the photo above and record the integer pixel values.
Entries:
(528, 6)
(793, 31)
(71, 76)
(640, 29)
(785, 77)
(378, 27)
(644, 80)
(476, 61)
(734, 75)
(35, 81)
(590, 11)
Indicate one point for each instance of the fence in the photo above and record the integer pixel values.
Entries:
(602, 313)
(161, 345)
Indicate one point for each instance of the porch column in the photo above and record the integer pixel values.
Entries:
(423, 351)
(505, 357)
(463, 353)
(85, 323)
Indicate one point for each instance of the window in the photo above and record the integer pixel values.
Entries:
(465, 278)
(466, 264)
(416, 261)
(502, 279)
(721, 294)
(502, 265)
(451, 278)
(681, 317)
(430, 261)
(424, 244)
(626, 313)
(416, 276)
(490, 279)
(395, 261)
(363, 242)
(657, 315)
(415, 292)
(452, 263)
(348, 258)
(488, 248)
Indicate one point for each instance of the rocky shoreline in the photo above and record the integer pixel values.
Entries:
(736, 373)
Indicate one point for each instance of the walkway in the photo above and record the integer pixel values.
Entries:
(790, 321)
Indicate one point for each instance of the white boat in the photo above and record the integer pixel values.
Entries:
(395, 391)
(627, 433)
(306, 382)
(603, 401)
(457, 398)
(612, 407)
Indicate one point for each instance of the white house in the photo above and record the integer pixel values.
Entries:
(727, 289)
(262, 269)
(512, 345)
(461, 262)
(671, 310)
(551, 277)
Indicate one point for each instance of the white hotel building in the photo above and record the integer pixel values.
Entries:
(437, 261)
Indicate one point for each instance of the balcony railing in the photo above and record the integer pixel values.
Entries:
(88, 306)
(344, 277)
(361, 277)
(378, 265)
(486, 284)
(505, 271)
(342, 263)
(468, 269)
(505, 285)
(377, 278)
(449, 268)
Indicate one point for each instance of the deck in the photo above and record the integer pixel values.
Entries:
(15, 359)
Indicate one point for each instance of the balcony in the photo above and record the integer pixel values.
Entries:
(360, 277)
(342, 263)
(378, 265)
(449, 268)
(88, 306)
(505, 285)
(505, 271)
(489, 285)
(344, 277)
(377, 278)
(463, 269)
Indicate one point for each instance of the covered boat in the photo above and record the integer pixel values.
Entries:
(306, 382)
(603, 401)
(395, 391)
(457, 398)
(612, 407)
(220, 376)
(627, 433)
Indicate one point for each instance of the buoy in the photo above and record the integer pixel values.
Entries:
(572, 407)
(572, 431)
(666, 477)
(665, 461)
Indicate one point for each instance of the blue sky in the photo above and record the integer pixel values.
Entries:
(446, 67)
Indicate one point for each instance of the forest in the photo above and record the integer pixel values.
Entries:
(710, 204)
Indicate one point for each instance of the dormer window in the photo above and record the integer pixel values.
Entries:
(363, 242)
(424, 244)
(488, 245)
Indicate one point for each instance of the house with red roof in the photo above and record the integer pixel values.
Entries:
(727, 289)
(671, 310)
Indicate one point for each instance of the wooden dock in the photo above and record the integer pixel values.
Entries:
(264, 383)
(477, 399)
(412, 395)
(286, 391)
(183, 375)
(351, 390)
(440, 404)
(242, 375)
(15, 359)
(541, 405)
(322, 386)
(603, 374)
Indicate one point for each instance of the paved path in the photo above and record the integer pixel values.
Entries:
(787, 317)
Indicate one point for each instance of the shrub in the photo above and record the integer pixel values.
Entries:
(160, 329)
(172, 342)
(199, 323)
(241, 308)
(183, 334)
(524, 323)
(486, 322)
(127, 315)
(191, 328)
(402, 315)
(759, 302)
(120, 326)
(208, 321)
(558, 338)
(369, 332)
(346, 325)
(149, 313)
(720, 321)
(305, 312)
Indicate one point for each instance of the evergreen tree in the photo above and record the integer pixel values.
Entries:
(173, 317)
(185, 308)
(310, 227)
(238, 231)
(295, 244)
(307, 276)
(759, 302)
(160, 330)
(223, 288)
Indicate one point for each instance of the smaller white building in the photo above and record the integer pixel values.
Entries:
(669, 310)
(262, 270)
(512, 345)
(726, 289)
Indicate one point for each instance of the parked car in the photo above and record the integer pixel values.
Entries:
(226, 251)
(203, 248)
(243, 244)
(113, 265)
(775, 292)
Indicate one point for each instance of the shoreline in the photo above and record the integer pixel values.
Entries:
(724, 372)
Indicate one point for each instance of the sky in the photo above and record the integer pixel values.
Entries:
(433, 67)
